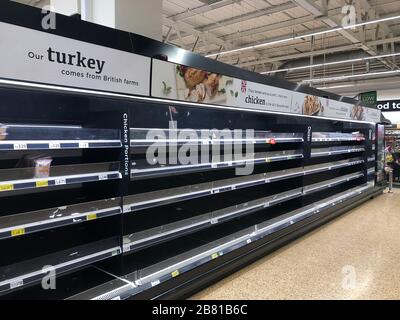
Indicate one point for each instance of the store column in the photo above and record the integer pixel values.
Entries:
(141, 17)
(67, 8)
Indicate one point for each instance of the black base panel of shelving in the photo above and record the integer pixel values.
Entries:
(203, 276)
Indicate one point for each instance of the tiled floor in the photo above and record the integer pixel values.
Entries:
(356, 256)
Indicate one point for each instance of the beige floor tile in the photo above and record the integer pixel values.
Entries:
(356, 256)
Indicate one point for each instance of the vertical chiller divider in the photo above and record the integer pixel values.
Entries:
(307, 149)
(125, 116)
(118, 118)
(368, 133)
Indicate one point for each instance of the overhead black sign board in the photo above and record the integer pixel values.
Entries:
(388, 105)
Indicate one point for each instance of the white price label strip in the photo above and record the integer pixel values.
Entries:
(83, 145)
(17, 284)
(155, 283)
(54, 145)
(60, 182)
(20, 146)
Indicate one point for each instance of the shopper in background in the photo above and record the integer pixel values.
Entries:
(393, 162)
(396, 166)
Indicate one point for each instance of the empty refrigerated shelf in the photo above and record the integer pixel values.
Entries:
(331, 183)
(31, 137)
(152, 236)
(163, 197)
(25, 223)
(336, 137)
(166, 269)
(322, 167)
(143, 170)
(24, 178)
(31, 271)
(323, 152)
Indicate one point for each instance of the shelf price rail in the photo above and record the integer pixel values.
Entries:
(140, 137)
(60, 175)
(30, 222)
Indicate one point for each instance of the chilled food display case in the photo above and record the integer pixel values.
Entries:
(129, 190)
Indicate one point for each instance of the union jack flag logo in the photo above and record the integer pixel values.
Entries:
(244, 86)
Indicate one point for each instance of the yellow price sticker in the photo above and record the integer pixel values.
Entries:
(42, 184)
(268, 160)
(175, 273)
(91, 217)
(18, 232)
(6, 187)
(215, 256)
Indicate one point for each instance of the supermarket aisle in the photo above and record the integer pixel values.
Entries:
(355, 256)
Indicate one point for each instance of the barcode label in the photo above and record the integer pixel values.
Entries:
(127, 209)
(42, 184)
(20, 146)
(214, 256)
(59, 182)
(175, 273)
(91, 217)
(54, 145)
(155, 283)
(6, 187)
(16, 284)
(18, 232)
(83, 145)
(103, 177)
(214, 221)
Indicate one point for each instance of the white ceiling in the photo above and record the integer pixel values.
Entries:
(230, 24)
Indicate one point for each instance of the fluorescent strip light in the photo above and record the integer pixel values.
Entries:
(336, 87)
(248, 48)
(371, 22)
(307, 35)
(350, 76)
(333, 63)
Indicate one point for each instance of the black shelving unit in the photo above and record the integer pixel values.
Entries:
(115, 225)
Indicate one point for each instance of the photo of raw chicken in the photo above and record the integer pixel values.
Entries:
(200, 86)
(212, 84)
(312, 106)
(193, 77)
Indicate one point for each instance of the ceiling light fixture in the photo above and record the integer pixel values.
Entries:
(335, 87)
(338, 78)
(304, 36)
(333, 63)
